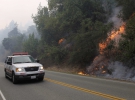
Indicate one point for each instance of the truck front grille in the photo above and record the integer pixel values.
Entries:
(31, 69)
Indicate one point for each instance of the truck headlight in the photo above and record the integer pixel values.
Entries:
(19, 69)
(41, 68)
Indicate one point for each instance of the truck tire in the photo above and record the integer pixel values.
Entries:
(14, 80)
(41, 79)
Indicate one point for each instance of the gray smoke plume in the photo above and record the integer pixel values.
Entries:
(119, 71)
(4, 33)
(114, 17)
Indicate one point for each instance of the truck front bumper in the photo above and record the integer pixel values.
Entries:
(30, 76)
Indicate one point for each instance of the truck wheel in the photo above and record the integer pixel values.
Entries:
(41, 79)
(14, 80)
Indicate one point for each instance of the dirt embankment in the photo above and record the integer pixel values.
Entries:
(65, 69)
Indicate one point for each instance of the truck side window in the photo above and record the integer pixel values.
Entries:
(10, 59)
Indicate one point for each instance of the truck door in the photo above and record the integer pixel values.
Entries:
(9, 66)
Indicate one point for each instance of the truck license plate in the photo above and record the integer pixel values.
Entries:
(33, 77)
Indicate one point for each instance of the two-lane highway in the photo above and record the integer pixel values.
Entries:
(61, 86)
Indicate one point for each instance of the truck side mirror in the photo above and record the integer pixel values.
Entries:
(9, 63)
(37, 60)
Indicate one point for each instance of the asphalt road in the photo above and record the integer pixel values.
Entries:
(61, 86)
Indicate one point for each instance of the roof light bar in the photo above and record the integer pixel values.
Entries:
(20, 53)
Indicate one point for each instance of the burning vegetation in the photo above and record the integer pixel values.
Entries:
(61, 41)
(82, 73)
(115, 35)
(101, 62)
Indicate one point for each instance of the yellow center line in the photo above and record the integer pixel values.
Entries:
(85, 90)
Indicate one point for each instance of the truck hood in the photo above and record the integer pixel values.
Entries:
(27, 65)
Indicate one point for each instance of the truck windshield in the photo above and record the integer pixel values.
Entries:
(23, 59)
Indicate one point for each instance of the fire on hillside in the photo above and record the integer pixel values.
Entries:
(100, 63)
(114, 35)
(82, 73)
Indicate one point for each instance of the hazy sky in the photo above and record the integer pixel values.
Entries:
(18, 10)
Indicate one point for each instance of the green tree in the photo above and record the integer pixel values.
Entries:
(31, 45)
(128, 8)
(14, 42)
(82, 23)
(86, 43)
(127, 46)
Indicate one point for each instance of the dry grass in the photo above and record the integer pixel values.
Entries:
(65, 69)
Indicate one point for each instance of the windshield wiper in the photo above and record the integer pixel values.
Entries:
(26, 62)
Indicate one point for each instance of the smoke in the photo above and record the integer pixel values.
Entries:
(103, 66)
(32, 30)
(3, 53)
(4, 34)
(114, 17)
(22, 28)
(119, 71)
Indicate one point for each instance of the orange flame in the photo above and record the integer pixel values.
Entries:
(61, 40)
(115, 33)
(103, 72)
(102, 67)
(81, 73)
(102, 46)
(112, 36)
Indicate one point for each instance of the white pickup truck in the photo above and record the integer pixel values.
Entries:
(22, 66)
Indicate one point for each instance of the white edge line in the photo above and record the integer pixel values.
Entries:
(2, 95)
